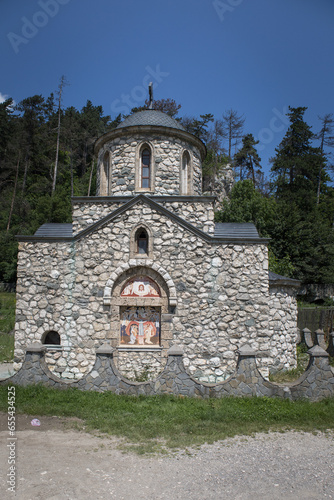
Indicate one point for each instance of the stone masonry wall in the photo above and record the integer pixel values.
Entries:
(199, 213)
(222, 298)
(315, 384)
(283, 325)
(167, 163)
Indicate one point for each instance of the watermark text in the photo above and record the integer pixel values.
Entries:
(11, 441)
(30, 27)
(139, 92)
(225, 7)
(277, 123)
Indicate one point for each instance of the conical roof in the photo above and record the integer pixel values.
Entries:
(150, 117)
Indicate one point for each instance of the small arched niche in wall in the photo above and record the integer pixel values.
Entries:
(51, 338)
(141, 244)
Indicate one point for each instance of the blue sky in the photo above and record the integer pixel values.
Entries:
(254, 56)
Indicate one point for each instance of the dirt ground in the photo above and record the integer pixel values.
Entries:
(56, 462)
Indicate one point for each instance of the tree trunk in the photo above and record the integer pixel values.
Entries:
(26, 166)
(14, 195)
(57, 152)
(320, 169)
(61, 86)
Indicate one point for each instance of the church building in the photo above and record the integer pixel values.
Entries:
(143, 266)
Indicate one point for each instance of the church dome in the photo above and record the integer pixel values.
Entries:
(150, 117)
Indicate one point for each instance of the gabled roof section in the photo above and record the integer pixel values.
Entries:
(239, 238)
(235, 229)
(55, 231)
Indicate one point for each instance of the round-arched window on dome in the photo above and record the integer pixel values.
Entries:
(145, 168)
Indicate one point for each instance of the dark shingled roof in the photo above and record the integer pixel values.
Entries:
(236, 230)
(150, 117)
(282, 280)
(55, 230)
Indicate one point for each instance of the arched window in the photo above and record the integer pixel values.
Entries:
(51, 338)
(104, 175)
(185, 180)
(142, 241)
(145, 168)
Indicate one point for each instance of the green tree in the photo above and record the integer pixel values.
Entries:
(297, 165)
(326, 137)
(247, 159)
(198, 127)
(168, 106)
(246, 204)
(303, 229)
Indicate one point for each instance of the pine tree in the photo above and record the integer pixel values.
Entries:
(304, 228)
(248, 159)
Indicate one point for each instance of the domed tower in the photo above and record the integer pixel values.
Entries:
(149, 153)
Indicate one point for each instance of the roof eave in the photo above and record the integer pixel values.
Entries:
(285, 282)
(33, 239)
(136, 129)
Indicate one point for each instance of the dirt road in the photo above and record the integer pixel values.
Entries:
(57, 463)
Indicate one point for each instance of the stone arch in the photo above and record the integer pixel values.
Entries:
(141, 326)
(132, 265)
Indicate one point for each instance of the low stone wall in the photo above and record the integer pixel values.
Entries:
(316, 291)
(315, 384)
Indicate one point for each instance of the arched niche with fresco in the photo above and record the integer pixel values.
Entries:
(139, 309)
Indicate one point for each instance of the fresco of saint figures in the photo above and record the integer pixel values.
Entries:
(141, 286)
(140, 326)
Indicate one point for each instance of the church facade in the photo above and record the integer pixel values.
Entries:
(144, 266)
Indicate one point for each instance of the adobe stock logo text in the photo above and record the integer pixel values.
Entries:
(30, 27)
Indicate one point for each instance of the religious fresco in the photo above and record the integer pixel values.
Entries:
(140, 286)
(140, 326)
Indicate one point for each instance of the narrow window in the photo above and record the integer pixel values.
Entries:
(185, 173)
(145, 168)
(142, 241)
(104, 176)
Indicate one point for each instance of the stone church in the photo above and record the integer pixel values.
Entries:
(144, 266)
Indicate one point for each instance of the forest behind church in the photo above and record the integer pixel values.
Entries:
(46, 156)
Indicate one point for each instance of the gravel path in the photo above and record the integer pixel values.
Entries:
(64, 464)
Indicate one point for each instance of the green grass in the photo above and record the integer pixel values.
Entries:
(7, 312)
(165, 422)
(7, 321)
(6, 347)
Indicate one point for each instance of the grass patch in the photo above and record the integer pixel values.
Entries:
(7, 322)
(6, 347)
(157, 423)
(7, 312)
